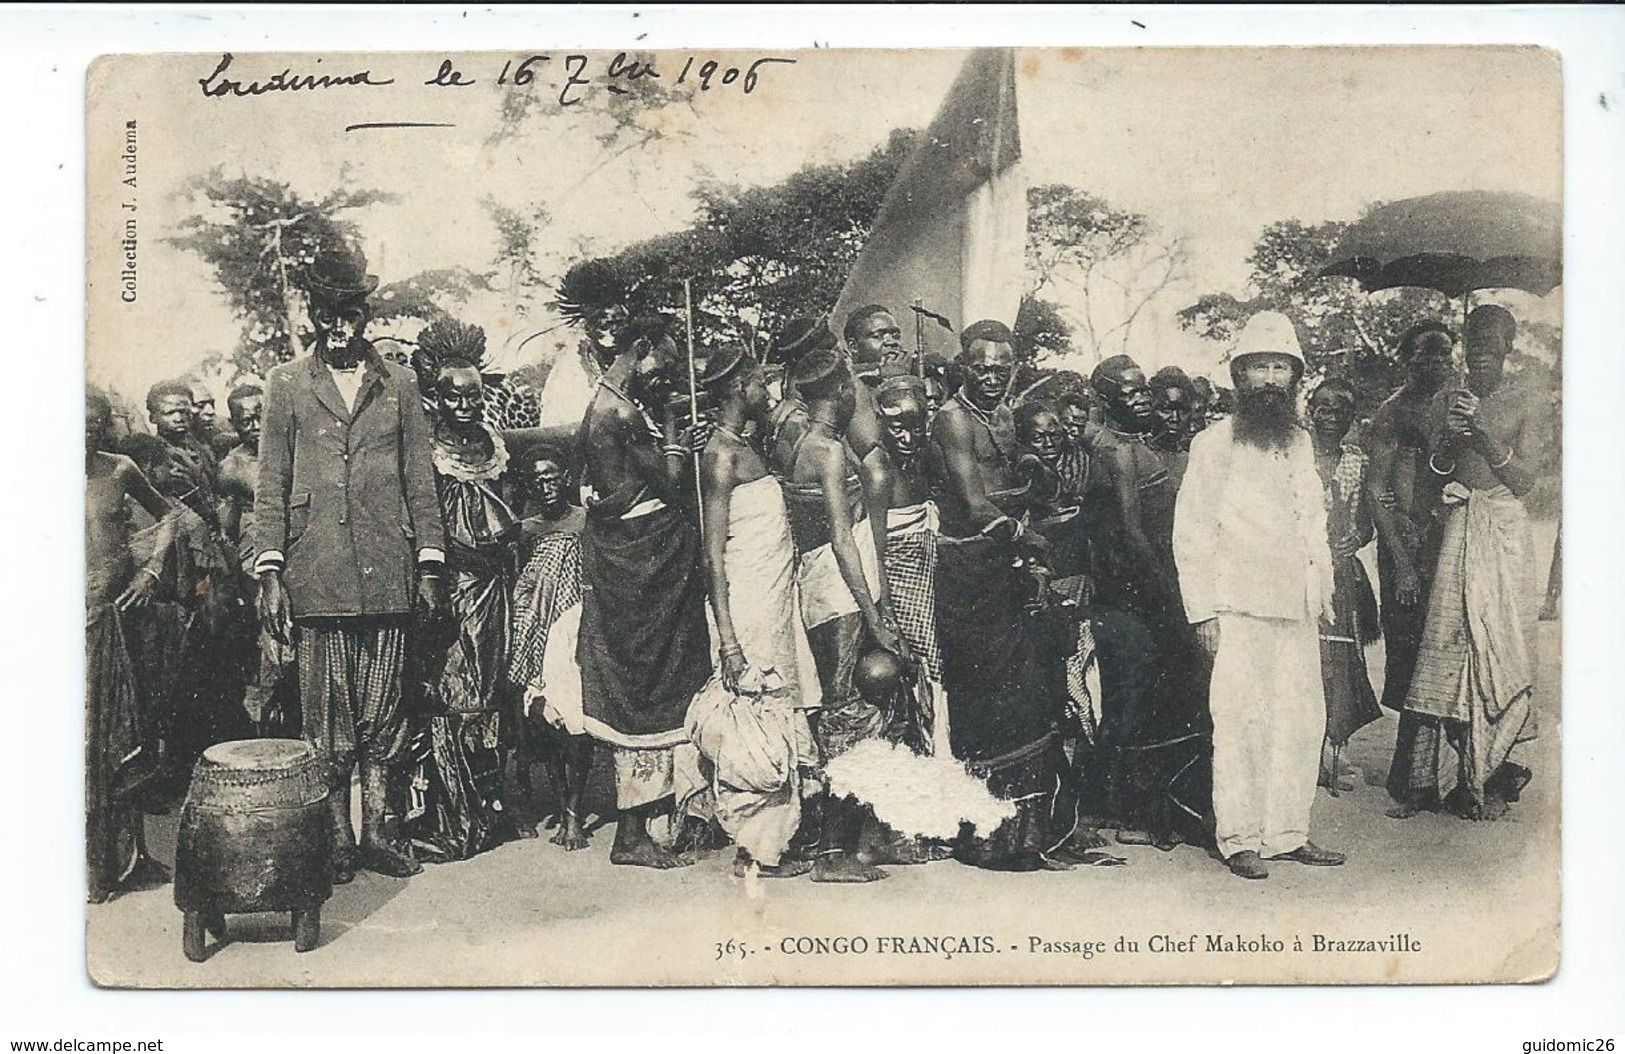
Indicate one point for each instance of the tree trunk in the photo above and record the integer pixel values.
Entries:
(288, 294)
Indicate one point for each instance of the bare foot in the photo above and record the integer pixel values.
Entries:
(381, 858)
(1403, 811)
(1072, 857)
(346, 862)
(1083, 839)
(844, 868)
(645, 852)
(1509, 781)
(789, 867)
(1133, 836)
(908, 851)
(571, 835)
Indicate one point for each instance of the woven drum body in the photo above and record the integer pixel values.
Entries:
(255, 833)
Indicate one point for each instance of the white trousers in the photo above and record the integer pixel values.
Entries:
(1269, 718)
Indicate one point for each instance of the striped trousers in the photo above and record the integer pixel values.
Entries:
(350, 672)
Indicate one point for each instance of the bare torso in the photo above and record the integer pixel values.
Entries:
(1517, 416)
(907, 483)
(239, 470)
(976, 482)
(1398, 445)
(624, 463)
(803, 462)
(863, 431)
(111, 483)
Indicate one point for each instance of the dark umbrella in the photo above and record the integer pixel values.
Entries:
(1456, 242)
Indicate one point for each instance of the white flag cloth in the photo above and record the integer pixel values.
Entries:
(952, 230)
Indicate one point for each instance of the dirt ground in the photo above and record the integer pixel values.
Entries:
(1456, 901)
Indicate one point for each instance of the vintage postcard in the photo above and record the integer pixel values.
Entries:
(828, 517)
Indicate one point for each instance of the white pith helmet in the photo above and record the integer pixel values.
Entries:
(1268, 332)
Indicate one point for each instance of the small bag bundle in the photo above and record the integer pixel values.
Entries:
(749, 738)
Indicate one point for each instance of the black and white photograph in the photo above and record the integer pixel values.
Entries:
(824, 516)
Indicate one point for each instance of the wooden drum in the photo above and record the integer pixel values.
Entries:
(254, 836)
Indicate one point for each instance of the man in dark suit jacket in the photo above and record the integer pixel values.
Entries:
(348, 535)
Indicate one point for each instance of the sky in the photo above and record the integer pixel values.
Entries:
(1211, 144)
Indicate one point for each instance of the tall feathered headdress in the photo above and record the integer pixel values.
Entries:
(445, 341)
(588, 289)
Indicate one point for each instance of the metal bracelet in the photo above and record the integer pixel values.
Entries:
(1504, 462)
(1432, 464)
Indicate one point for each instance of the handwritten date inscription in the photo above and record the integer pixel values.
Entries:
(570, 77)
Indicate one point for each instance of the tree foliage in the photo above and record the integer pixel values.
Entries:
(1040, 331)
(261, 238)
(755, 256)
(1106, 263)
(426, 296)
(1343, 329)
(517, 258)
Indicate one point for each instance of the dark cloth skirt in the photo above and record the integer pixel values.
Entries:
(644, 647)
(1351, 704)
(121, 745)
(1003, 692)
(456, 677)
(1150, 767)
(844, 718)
(1005, 675)
(1401, 623)
(456, 787)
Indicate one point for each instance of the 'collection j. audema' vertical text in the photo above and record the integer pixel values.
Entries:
(128, 241)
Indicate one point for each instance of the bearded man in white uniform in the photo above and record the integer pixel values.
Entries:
(1255, 573)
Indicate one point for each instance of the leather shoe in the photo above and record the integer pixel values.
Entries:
(1246, 864)
(383, 859)
(1313, 855)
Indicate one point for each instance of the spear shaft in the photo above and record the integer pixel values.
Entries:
(693, 396)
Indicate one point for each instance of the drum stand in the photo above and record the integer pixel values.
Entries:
(197, 926)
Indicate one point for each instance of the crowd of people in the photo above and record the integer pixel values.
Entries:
(1134, 609)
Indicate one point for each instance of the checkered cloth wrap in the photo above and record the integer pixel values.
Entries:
(1475, 666)
(549, 585)
(911, 571)
(350, 687)
(1083, 682)
(1349, 476)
